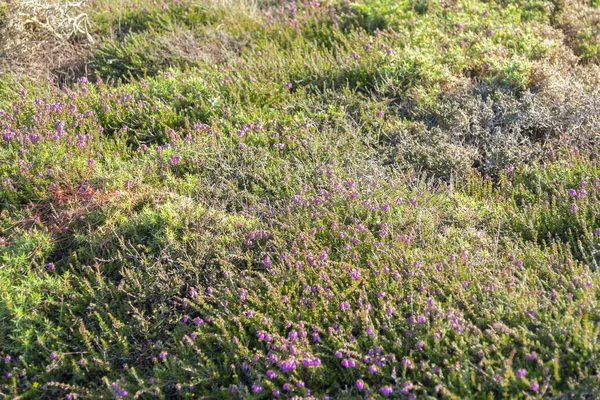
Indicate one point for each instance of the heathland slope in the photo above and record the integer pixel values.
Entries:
(343, 199)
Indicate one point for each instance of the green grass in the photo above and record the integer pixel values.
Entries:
(344, 200)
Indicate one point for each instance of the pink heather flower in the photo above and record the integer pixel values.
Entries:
(53, 356)
(288, 85)
(7, 359)
(490, 32)
(407, 387)
(360, 384)
(532, 356)
(50, 266)
(162, 355)
(521, 373)
(380, 114)
(338, 354)
(267, 262)
(534, 386)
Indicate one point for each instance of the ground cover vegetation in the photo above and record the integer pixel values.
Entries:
(335, 199)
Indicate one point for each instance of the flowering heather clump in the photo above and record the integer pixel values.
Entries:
(367, 199)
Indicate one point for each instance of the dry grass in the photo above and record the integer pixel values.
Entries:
(580, 24)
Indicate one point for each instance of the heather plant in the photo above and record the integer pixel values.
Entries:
(337, 199)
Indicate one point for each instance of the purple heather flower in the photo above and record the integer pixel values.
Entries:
(461, 26)
(288, 85)
(287, 387)
(50, 266)
(521, 373)
(174, 160)
(386, 390)
(7, 359)
(490, 32)
(53, 356)
(275, 393)
(360, 384)
(534, 386)
(8, 374)
(267, 262)
(256, 388)
(486, 13)
(162, 355)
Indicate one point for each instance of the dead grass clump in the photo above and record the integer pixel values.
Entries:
(41, 36)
